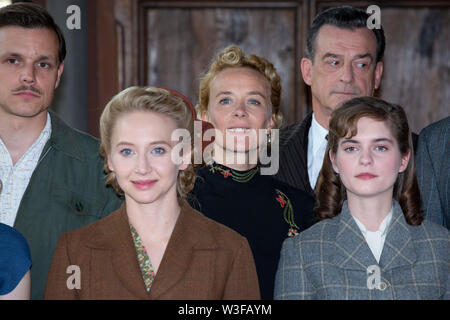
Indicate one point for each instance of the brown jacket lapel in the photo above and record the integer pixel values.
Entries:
(203, 260)
(115, 235)
(187, 236)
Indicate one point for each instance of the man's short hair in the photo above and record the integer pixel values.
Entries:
(32, 16)
(345, 17)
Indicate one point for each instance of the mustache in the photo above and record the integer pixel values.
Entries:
(27, 88)
(352, 90)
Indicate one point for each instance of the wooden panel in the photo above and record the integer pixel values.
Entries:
(127, 39)
(417, 63)
(179, 43)
(102, 59)
(170, 43)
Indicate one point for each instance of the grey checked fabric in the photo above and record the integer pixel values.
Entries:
(330, 261)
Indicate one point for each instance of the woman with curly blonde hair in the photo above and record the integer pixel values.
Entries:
(240, 96)
(155, 246)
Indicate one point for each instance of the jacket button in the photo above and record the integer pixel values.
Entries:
(79, 206)
(382, 286)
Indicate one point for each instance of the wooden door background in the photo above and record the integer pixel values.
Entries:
(171, 43)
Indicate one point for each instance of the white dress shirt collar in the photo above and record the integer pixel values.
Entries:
(375, 239)
(317, 144)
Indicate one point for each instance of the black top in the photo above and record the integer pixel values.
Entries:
(260, 208)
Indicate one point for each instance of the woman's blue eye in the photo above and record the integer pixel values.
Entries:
(158, 151)
(252, 101)
(126, 152)
(225, 101)
(381, 148)
(350, 149)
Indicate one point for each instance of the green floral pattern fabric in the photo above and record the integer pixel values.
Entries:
(148, 274)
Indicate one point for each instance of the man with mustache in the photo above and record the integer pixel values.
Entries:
(343, 60)
(51, 175)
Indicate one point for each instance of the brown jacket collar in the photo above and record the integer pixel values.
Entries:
(188, 235)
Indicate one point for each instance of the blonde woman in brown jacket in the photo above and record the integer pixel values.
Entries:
(155, 246)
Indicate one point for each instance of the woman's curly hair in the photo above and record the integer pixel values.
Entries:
(331, 193)
(233, 57)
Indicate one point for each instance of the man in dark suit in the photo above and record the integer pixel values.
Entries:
(343, 60)
(433, 171)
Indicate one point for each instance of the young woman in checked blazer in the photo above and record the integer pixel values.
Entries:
(372, 242)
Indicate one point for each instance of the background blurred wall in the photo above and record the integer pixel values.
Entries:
(170, 43)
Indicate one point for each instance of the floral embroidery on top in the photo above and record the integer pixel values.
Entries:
(288, 213)
(147, 271)
(235, 175)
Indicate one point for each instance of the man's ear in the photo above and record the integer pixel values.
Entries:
(306, 68)
(378, 74)
(60, 72)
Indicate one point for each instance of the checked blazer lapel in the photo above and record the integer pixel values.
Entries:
(398, 248)
(351, 249)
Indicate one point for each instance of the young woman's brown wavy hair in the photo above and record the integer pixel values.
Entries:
(330, 191)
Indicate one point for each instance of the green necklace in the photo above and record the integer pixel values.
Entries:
(235, 175)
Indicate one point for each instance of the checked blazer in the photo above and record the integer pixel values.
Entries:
(330, 260)
(433, 171)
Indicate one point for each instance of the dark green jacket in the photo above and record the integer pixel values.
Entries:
(66, 191)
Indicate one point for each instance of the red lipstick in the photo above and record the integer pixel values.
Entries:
(144, 184)
(366, 176)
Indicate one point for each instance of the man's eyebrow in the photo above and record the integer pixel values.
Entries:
(364, 55)
(12, 54)
(359, 56)
(331, 55)
(18, 55)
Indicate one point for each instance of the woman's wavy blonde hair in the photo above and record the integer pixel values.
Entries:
(233, 57)
(150, 99)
